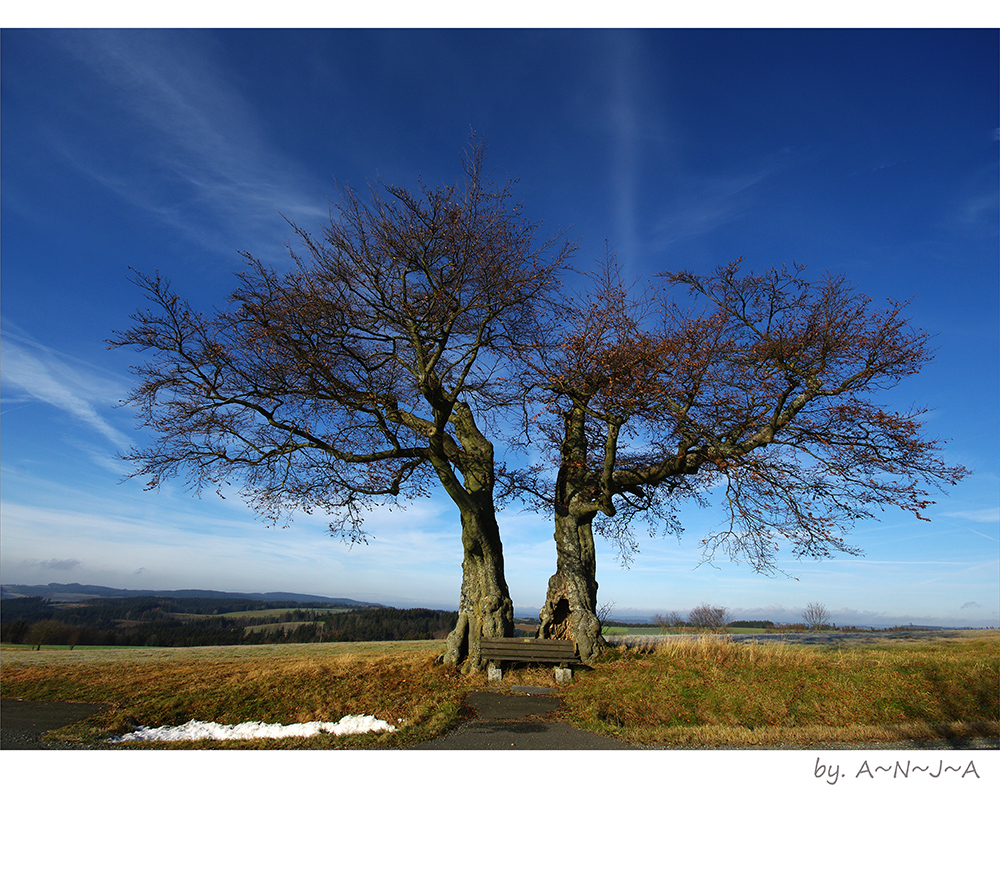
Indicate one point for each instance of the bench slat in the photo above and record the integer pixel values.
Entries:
(508, 655)
(529, 644)
(529, 650)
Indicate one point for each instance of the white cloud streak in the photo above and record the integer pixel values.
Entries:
(204, 166)
(39, 375)
(987, 515)
(708, 203)
(624, 118)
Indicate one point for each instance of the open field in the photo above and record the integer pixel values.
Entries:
(279, 612)
(687, 692)
(708, 691)
(395, 681)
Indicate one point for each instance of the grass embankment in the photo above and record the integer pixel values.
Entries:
(686, 692)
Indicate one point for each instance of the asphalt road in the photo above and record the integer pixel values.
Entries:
(22, 723)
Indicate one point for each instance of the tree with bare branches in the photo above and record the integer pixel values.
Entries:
(370, 371)
(759, 390)
(709, 617)
(816, 616)
(596, 377)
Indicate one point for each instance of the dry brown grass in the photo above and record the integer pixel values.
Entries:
(689, 691)
(709, 691)
(398, 682)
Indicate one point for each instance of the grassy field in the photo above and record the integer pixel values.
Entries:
(692, 691)
(705, 691)
(279, 612)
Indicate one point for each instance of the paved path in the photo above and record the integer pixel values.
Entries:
(22, 723)
(521, 721)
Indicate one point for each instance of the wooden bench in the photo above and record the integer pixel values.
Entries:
(561, 652)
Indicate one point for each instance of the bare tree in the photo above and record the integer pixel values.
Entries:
(709, 617)
(667, 621)
(596, 375)
(816, 616)
(370, 371)
(757, 390)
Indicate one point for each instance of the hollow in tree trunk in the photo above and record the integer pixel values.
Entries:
(570, 610)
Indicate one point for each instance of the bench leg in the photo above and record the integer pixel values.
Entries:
(564, 674)
(493, 672)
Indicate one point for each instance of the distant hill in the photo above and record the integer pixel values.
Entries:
(77, 592)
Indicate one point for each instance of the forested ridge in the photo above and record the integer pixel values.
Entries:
(165, 621)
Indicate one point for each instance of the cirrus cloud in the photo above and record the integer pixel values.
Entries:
(37, 373)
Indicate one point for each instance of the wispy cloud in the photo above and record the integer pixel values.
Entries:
(637, 122)
(977, 213)
(624, 116)
(708, 203)
(201, 544)
(987, 515)
(39, 374)
(207, 167)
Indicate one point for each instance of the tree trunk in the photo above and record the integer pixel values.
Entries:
(570, 610)
(485, 607)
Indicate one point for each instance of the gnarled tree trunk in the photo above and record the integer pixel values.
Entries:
(570, 610)
(485, 608)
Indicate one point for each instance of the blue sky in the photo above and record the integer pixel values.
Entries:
(868, 153)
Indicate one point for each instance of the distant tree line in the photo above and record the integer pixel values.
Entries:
(161, 621)
(368, 625)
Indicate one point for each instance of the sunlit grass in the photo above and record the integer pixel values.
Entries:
(398, 682)
(690, 691)
(708, 691)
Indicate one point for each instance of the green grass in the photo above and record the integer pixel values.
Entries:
(688, 691)
(290, 626)
(25, 646)
(279, 612)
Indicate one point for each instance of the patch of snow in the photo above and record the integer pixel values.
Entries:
(214, 731)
